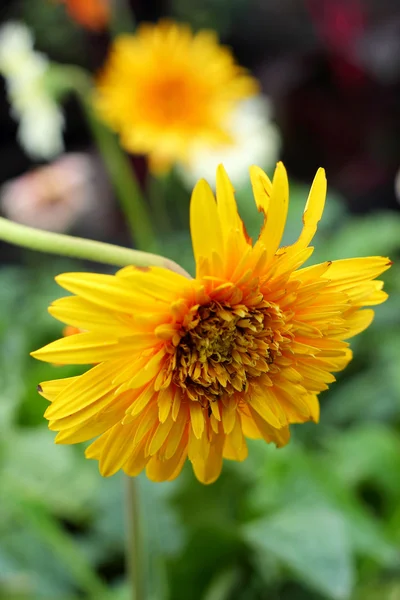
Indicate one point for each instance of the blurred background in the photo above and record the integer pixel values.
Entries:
(319, 519)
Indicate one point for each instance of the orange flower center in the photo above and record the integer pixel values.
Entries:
(173, 99)
(224, 347)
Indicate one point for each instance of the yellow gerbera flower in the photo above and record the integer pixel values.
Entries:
(190, 368)
(165, 88)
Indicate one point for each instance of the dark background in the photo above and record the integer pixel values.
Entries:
(331, 68)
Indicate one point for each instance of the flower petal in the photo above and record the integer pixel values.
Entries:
(163, 470)
(83, 391)
(81, 349)
(51, 389)
(313, 211)
(234, 234)
(117, 449)
(272, 231)
(85, 315)
(208, 468)
(279, 436)
(204, 223)
(108, 291)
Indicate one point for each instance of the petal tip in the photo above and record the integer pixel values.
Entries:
(201, 186)
(221, 169)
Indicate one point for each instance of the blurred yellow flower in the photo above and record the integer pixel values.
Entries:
(165, 88)
(190, 368)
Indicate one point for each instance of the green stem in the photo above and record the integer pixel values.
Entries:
(116, 162)
(157, 194)
(134, 541)
(126, 186)
(65, 245)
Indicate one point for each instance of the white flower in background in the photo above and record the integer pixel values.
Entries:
(256, 140)
(41, 122)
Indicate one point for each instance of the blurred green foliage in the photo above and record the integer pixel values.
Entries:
(319, 519)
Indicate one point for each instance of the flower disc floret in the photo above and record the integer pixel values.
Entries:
(225, 347)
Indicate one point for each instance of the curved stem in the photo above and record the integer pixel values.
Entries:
(75, 247)
(125, 183)
(122, 175)
(134, 541)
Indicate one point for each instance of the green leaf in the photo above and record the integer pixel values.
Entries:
(59, 477)
(68, 552)
(222, 585)
(311, 542)
(360, 453)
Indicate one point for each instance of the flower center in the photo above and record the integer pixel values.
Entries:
(173, 100)
(224, 347)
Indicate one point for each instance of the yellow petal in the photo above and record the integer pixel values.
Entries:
(80, 349)
(177, 403)
(76, 435)
(228, 410)
(151, 369)
(164, 400)
(272, 231)
(227, 208)
(82, 391)
(159, 276)
(198, 448)
(235, 237)
(80, 313)
(235, 447)
(138, 459)
(352, 270)
(313, 273)
(279, 436)
(259, 402)
(177, 434)
(250, 430)
(155, 282)
(293, 402)
(357, 322)
(312, 401)
(94, 426)
(90, 411)
(313, 211)
(159, 436)
(95, 449)
(140, 402)
(208, 468)
(178, 467)
(51, 389)
(108, 291)
(204, 222)
(162, 470)
(117, 449)
(145, 422)
(262, 188)
(196, 418)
